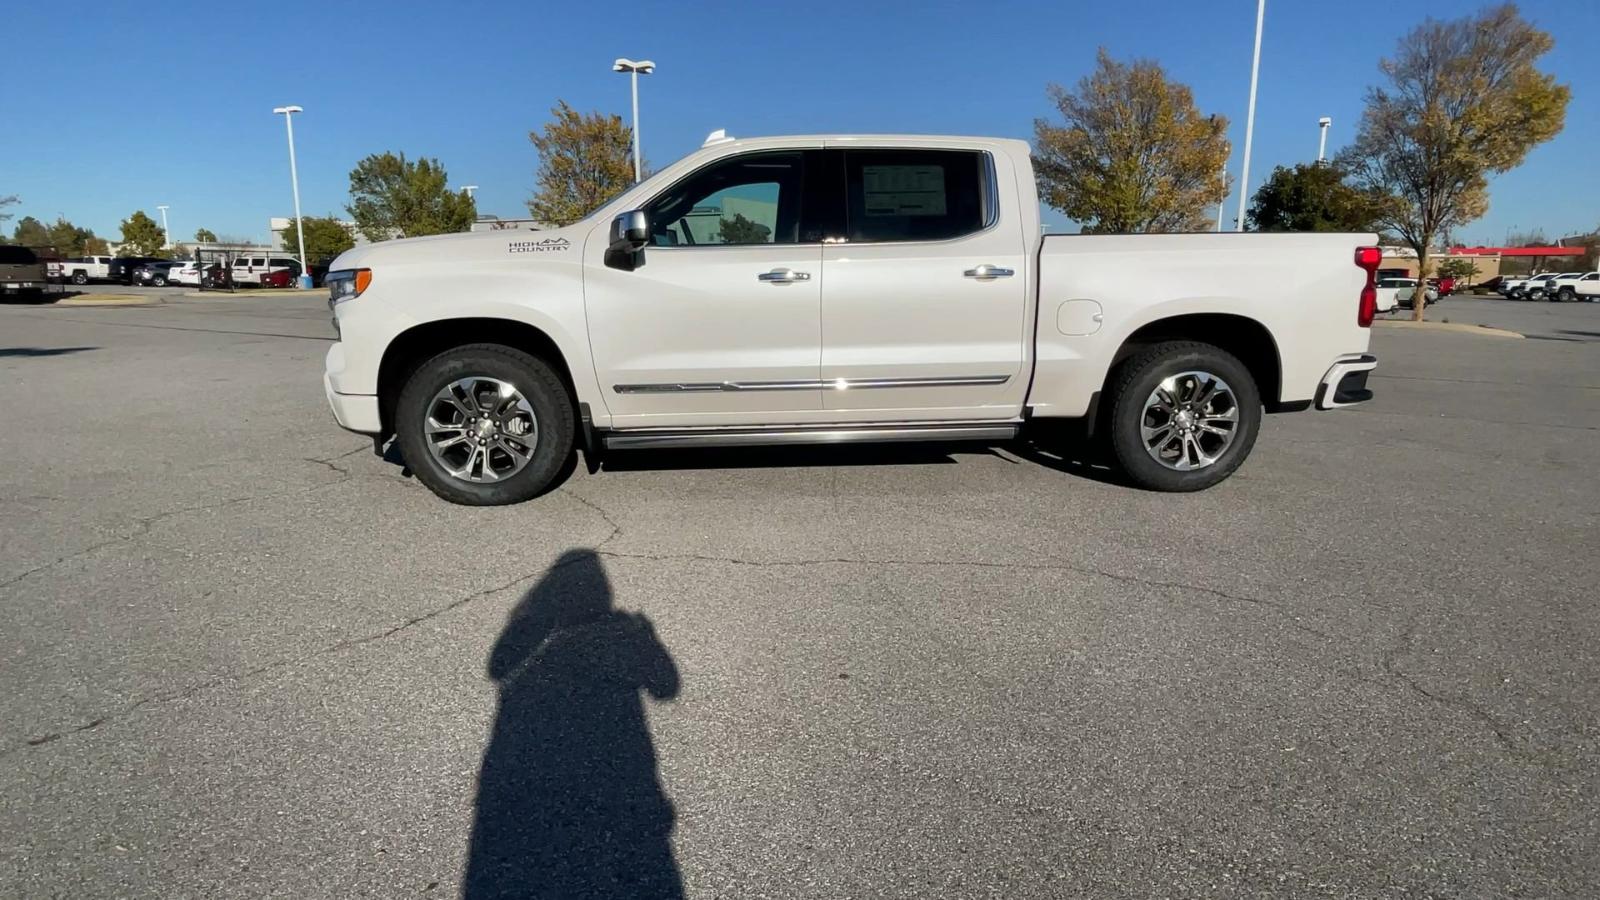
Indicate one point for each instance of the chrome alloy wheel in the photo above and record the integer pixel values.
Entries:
(481, 429)
(1189, 421)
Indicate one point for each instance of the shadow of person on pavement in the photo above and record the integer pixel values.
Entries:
(569, 803)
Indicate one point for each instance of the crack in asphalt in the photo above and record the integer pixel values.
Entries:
(1387, 660)
(142, 526)
(616, 532)
(335, 647)
(1405, 646)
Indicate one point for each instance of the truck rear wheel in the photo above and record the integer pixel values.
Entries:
(485, 425)
(1184, 415)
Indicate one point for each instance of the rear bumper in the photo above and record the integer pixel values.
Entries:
(1346, 382)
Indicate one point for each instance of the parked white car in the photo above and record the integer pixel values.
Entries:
(1533, 287)
(1570, 286)
(838, 288)
(1396, 293)
(186, 271)
(84, 269)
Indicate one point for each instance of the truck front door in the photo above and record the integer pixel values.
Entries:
(720, 324)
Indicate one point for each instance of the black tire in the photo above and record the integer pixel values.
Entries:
(1133, 382)
(159, 281)
(80, 278)
(535, 379)
(1566, 295)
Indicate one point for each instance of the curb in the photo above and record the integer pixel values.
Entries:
(1458, 328)
(257, 292)
(109, 300)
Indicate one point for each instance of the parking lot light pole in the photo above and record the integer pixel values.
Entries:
(1322, 142)
(294, 182)
(1250, 117)
(166, 235)
(634, 70)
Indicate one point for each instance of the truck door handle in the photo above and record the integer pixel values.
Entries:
(783, 276)
(987, 272)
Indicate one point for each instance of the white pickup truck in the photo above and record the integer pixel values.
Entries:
(83, 269)
(1570, 286)
(837, 288)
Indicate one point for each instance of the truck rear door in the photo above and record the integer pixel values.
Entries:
(924, 294)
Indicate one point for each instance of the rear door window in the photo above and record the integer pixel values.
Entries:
(914, 194)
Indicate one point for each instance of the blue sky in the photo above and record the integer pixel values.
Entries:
(132, 105)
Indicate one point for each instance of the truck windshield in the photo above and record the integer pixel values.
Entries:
(16, 256)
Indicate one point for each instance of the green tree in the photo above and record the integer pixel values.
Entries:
(326, 238)
(1461, 100)
(142, 236)
(740, 230)
(95, 246)
(1133, 154)
(205, 235)
(31, 232)
(584, 161)
(1460, 268)
(6, 201)
(1311, 197)
(70, 240)
(392, 197)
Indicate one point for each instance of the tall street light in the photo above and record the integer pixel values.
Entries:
(1322, 142)
(294, 182)
(634, 70)
(469, 188)
(166, 236)
(1250, 118)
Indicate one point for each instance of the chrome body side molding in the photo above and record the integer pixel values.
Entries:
(837, 384)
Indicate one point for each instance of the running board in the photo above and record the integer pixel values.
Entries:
(631, 439)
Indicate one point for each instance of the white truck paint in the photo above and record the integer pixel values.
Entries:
(854, 316)
(1571, 286)
(84, 269)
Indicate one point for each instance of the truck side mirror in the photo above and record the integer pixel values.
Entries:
(630, 231)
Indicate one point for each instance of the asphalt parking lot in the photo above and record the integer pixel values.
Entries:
(243, 656)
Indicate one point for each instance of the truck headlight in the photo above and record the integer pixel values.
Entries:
(347, 284)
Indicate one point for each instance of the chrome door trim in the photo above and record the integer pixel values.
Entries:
(835, 384)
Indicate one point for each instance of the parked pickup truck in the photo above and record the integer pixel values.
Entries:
(84, 269)
(1570, 286)
(21, 273)
(826, 289)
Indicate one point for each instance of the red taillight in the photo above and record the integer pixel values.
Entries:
(1368, 259)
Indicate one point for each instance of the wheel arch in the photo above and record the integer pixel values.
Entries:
(420, 343)
(1242, 336)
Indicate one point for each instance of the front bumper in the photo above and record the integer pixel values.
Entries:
(355, 412)
(1346, 382)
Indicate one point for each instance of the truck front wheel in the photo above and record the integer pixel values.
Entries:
(485, 425)
(1184, 415)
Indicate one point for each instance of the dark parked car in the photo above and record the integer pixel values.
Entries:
(1492, 286)
(21, 273)
(122, 268)
(153, 274)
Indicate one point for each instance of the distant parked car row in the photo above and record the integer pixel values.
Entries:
(252, 271)
(1563, 287)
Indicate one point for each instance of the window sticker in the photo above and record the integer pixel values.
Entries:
(903, 190)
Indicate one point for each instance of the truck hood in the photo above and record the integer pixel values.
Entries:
(457, 249)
